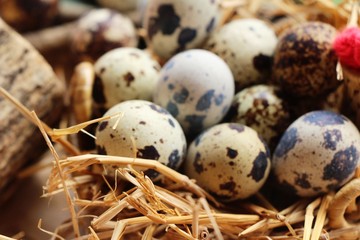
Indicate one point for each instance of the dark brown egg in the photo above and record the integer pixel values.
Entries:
(304, 62)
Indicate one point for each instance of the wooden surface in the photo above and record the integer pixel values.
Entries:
(31, 80)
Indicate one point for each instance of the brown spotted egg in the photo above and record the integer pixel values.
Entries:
(304, 61)
(173, 26)
(101, 30)
(124, 74)
(318, 153)
(229, 160)
(260, 108)
(144, 129)
(247, 46)
(196, 87)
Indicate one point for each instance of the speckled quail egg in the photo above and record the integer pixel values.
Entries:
(101, 30)
(173, 26)
(319, 152)
(304, 61)
(124, 74)
(229, 160)
(156, 134)
(261, 108)
(247, 46)
(196, 87)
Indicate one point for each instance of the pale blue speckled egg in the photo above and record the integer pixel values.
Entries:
(197, 88)
(318, 153)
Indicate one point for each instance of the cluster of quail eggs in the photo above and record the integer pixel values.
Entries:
(232, 103)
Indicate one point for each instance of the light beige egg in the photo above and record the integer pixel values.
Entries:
(143, 130)
(247, 46)
(229, 160)
(125, 74)
(174, 26)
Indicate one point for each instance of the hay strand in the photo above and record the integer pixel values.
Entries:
(61, 175)
(320, 219)
(309, 218)
(28, 115)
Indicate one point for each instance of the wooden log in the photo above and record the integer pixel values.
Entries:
(30, 79)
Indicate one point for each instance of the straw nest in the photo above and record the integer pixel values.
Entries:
(131, 206)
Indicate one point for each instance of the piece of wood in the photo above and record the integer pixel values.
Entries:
(31, 80)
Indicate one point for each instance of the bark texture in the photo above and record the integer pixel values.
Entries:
(30, 79)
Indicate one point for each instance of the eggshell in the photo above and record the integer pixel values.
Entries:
(304, 61)
(173, 26)
(318, 153)
(261, 108)
(196, 87)
(229, 160)
(156, 134)
(101, 30)
(125, 74)
(247, 46)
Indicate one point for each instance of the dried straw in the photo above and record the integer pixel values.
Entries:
(131, 206)
(2, 237)
(146, 210)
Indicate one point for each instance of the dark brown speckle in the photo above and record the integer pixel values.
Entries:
(231, 153)
(129, 78)
(148, 152)
(198, 165)
(103, 125)
(229, 186)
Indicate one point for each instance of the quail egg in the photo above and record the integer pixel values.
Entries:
(173, 26)
(260, 108)
(196, 87)
(101, 30)
(247, 46)
(304, 61)
(318, 153)
(229, 160)
(124, 74)
(145, 129)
